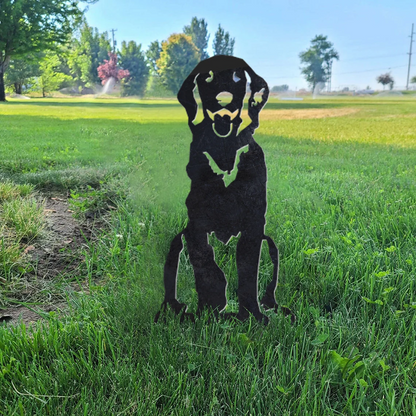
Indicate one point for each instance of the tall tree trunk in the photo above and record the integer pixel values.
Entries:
(4, 63)
(2, 91)
(18, 88)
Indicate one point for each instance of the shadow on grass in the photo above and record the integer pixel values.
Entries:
(92, 104)
(314, 105)
(271, 105)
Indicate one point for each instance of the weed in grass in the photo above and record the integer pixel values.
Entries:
(25, 216)
(9, 191)
(22, 219)
(90, 202)
(10, 254)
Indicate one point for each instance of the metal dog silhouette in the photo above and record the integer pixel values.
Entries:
(217, 203)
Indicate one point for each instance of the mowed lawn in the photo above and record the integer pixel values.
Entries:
(341, 208)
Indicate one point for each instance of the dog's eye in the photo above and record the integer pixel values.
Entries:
(211, 77)
(235, 78)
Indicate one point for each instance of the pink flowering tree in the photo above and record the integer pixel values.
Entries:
(109, 69)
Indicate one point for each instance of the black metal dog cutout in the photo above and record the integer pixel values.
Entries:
(216, 202)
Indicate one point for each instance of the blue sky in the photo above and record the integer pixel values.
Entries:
(371, 36)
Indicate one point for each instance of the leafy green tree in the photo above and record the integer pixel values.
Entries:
(155, 88)
(153, 55)
(133, 59)
(28, 26)
(413, 80)
(21, 72)
(64, 52)
(50, 78)
(198, 31)
(223, 43)
(317, 60)
(313, 69)
(178, 58)
(386, 79)
(89, 50)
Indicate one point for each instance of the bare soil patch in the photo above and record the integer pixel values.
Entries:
(56, 255)
(22, 314)
(306, 114)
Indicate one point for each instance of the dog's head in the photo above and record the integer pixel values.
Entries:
(222, 84)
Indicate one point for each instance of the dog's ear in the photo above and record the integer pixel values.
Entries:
(186, 97)
(257, 85)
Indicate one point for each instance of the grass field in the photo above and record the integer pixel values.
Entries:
(341, 208)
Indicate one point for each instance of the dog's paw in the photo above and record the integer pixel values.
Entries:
(244, 314)
(229, 315)
(177, 307)
(262, 319)
(269, 303)
(189, 316)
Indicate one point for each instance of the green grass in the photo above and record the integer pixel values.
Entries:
(22, 219)
(25, 216)
(342, 210)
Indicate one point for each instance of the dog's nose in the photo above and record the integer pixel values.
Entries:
(224, 98)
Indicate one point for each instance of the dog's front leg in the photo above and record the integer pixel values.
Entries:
(248, 257)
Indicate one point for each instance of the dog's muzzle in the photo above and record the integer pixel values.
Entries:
(222, 121)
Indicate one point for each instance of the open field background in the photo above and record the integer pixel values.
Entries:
(341, 208)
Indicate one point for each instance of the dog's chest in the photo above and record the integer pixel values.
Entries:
(228, 176)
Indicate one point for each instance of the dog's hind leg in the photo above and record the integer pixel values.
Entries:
(170, 278)
(269, 300)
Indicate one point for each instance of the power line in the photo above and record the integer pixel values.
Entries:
(373, 57)
(330, 76)
(410, 56)
(363, 47)
(342, 73)
(373, 47)
(370, 70)
(347, 60)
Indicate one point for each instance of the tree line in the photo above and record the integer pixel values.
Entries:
(47, 52)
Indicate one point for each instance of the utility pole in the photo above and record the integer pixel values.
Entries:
(114, 41)
(410, 56)
(329, 76)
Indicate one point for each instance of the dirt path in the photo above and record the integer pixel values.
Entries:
(306, 113)
(57, 254)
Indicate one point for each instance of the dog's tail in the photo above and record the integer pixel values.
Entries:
(171, 267)
(269, 300)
